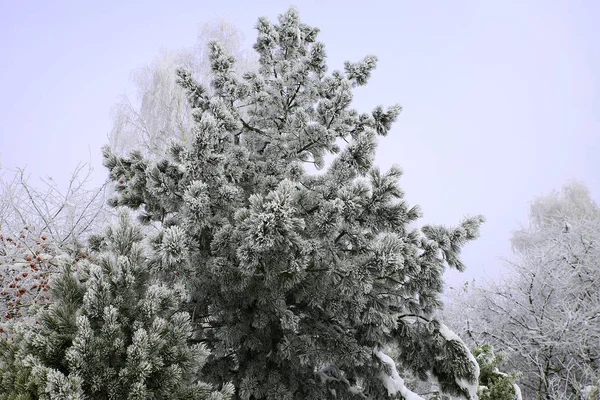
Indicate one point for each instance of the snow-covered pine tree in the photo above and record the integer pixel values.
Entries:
(112, 331)
(298, 280)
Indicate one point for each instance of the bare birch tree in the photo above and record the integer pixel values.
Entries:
(160, 113)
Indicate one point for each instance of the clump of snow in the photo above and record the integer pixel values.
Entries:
(470, 387)
(355, 390)
(590, 392)
(394, 383)
(517, 392)
(449, 335)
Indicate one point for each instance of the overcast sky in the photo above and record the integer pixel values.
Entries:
(501, 98)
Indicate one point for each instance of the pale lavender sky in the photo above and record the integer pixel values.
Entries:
(500, 98)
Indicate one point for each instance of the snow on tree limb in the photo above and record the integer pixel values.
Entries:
(392, 381)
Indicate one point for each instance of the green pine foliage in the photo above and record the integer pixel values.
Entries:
(297, 280)
(494, 384)
(112, 331)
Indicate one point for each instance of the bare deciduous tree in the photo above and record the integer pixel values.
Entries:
(38, 223)
(546, 313)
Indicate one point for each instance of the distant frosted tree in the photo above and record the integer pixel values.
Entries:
(298, 282)
(113, 331)
(546, 314)
(161, 113)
